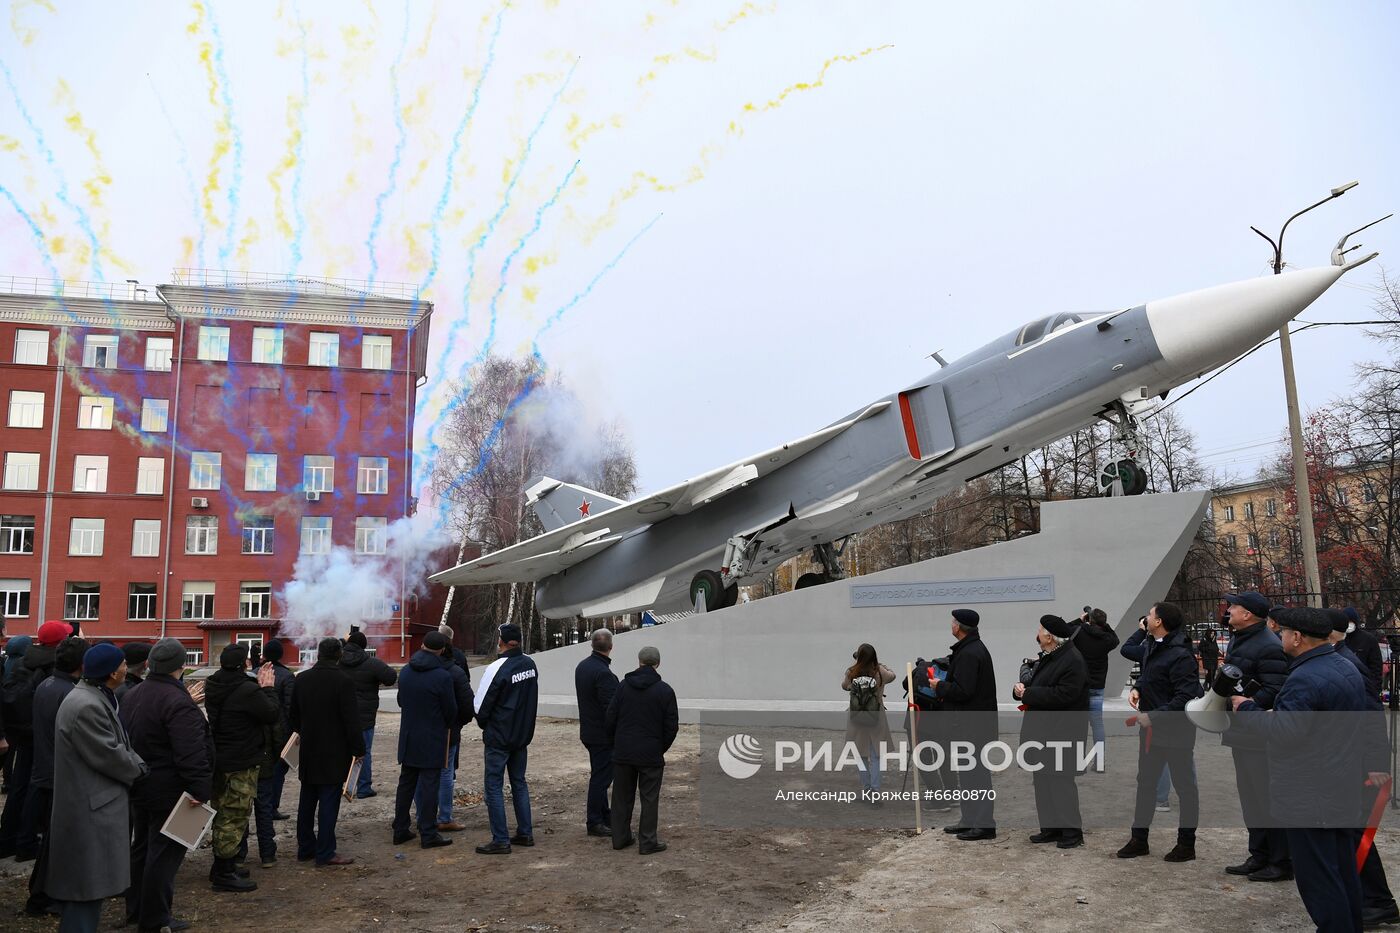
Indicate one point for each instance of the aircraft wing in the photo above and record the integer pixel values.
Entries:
(561, 548)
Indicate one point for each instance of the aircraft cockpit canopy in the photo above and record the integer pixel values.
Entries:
(1045, 326)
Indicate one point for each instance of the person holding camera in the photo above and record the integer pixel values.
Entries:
(1095, 640)
(1056, 698)
(866, 725)
(970, 692)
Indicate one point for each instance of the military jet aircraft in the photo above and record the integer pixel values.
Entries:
(694, 543)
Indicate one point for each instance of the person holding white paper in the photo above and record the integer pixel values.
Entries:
(427, 712)
(323, 714)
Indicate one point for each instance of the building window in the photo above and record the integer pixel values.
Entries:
(257, 535)
(26, 409)
(255, 601)
(197, 600)
(100, 352)
(206, 469)
(16, 534)
(370, 535)
(158, 353)
(89, 474)
(267, 345)
(155, 415)
(260, 473)
(150, 476)
(1229, 513)
(21, 471)
(80, 601)
(1231, 542)
(85, 537)
(318, 474)
(213, 343)
(324, 350)
(14, 598)
(1368, 491)
(1279, 579)
(141, 601)
(145, 537)
(202, 534)
(194, 657)
(1342, 497)
(249, 639)
(379, 608)
(1249, 511)
(95, 413)
(373, 476)
(1270, 508)
(1251, 541)
(32, 347)
(376, 352)
(1273, 538)
(316, 535)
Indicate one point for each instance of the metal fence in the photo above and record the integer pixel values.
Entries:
(302, 285)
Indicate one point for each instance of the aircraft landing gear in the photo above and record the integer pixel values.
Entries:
(829, 556)
(1124, 477)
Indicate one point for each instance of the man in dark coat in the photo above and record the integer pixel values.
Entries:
(1316, 765)
(1257, 652)
(969, 692)
(137, 653)
(1166, 739)
(1210, 655)
(456, 664)
(327, 723)
(1365, 645)
(67, 668)
(240, 711)
(171, 735)
(641, 723)
(505, 711)
(1057, 705)
(1095, 641)
(270, 797)
(427, 714)
(18, 822)
(595, 684)
(369, 675)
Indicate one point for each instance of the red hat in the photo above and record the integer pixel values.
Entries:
(51, 633)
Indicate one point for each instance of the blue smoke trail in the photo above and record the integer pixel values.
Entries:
(488, 446)
(84, 220)
(449, 180)
(234, 188)
(36, 232)
(393, 181)
(182, 153)
(298, 214)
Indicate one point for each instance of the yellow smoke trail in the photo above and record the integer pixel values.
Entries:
(251, 235)
(659, 62)
(97, 186)
(803, 86)
(223, 132)
(746, 11)
(296, 106)
(24, 33)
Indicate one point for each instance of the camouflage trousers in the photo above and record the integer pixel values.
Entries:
(234, 793)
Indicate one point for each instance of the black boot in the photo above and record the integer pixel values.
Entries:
(224, 877)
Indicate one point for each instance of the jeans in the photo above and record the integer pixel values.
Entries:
(445, 785)
(1096, 714)
(263, 808)
(870, 774)
(1324, 866)
(498, 762)
(600, 777)
(366, 782)
(316, 837)
(418, 786)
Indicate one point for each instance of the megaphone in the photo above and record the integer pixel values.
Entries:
(1211, 713)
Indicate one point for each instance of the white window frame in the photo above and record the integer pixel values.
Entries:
(14, 596)
(197, 600)
(100, 351)
(136, 601)
(150, 476)
(1251, 541)
(260, 473)
(316, 533)
(318, 473)
(372, 476)
(159, 351)
(268, 345)
(379, 608)
(21, 470)
(194, 657)
(259, 539)
(323, 349)
(81, 606)
(32, 347)
(376, 351)
(145, 537)
(206, 469)
(26, 409)
(1249, 510)
(249, 639)
(1229, 513)
(255, 600)
(1270, 508)
(201, 534)
(213, 343)
(89, 473)
(85, 536)
(95, 413)
(371, 535)
(155, 415)
(1343, 497)
(15, 534)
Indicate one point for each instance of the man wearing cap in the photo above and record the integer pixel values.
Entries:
(94, 767)
(19, 822)
(241, 710)
(369, 675)
(1365, 645)
(325, 718)
(427, 713)
(67, 668)
(969, 692)
(641, 723)
(1258, 653)
(137, 653)
(168, 730)
(455, 663)
(505, 711)
(1318, 765)
(1057, 710)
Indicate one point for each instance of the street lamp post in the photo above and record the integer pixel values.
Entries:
(1306, 532)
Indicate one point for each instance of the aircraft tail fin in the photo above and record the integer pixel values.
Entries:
(558, 503)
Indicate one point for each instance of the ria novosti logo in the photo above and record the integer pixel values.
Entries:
(740, 756)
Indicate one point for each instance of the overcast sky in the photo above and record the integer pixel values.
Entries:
(842, 188)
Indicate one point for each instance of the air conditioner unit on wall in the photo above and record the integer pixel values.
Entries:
(313, 495)
(199, 502)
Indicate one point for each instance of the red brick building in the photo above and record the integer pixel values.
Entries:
(168, 453)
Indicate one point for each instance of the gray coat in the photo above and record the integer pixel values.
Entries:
(90, 855)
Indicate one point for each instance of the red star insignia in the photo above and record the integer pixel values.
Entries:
(583, 509)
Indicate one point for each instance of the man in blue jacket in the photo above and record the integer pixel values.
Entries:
(428, 711)
(595, 684)
(505, 711)
(641, 723)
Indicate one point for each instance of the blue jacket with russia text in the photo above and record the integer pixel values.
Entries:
(506, 701)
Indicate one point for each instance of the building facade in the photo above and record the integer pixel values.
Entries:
(169, 453)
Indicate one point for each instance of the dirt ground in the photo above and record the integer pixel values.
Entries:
(708, 879)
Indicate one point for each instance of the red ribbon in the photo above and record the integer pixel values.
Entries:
(1368, 838)
(1147, 739)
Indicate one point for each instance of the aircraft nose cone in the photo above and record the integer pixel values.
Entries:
(1201, 330)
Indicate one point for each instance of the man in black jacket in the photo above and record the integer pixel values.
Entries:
(1365, 645)
(270, 797)
(455, 663)
(67, 668)
(505, 711)
(18, 822)
(595, 684)
(1057, 703)
(969, 692)
(136, 653)
(641, 723)
(427, 714)
(1166, 739)
(170, 734)
(369, 675)
(1095, 641)
(1258, 653)
(240, 710)
(327, 723)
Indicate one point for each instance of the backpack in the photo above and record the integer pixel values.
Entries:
(925, 699)
(865, 695)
